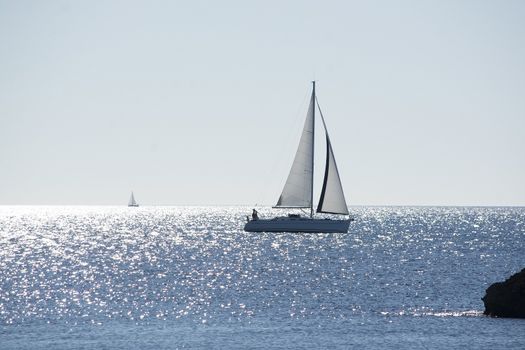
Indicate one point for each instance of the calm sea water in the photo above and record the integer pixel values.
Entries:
(189, 277)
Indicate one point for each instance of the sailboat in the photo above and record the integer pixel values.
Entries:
(132, 202)
(298, 189)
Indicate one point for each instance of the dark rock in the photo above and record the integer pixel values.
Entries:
(506, 299)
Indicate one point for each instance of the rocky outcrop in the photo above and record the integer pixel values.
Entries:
(506, 299)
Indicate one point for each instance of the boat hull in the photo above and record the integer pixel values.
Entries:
(287, 224)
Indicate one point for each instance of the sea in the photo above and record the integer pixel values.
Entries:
(100, 277)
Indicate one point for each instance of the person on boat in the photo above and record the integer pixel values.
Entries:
(255, 215)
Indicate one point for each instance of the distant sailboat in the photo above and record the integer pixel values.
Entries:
(298, 189)
(132, 202)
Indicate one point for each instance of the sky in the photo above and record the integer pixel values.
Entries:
(202, 102)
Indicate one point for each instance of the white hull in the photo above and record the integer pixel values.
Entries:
(301, 224)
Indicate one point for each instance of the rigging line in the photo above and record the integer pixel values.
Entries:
(284, 144)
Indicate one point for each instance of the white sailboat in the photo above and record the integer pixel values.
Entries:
(132, 202)
(298, 189)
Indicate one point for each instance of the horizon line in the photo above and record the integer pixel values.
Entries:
(270, 206)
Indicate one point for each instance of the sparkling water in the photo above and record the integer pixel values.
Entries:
(189, 277)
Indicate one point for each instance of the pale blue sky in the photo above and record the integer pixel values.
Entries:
(202, 102)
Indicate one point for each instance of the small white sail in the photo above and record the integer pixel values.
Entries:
(297, 191)
(332, 198)
(132, 202)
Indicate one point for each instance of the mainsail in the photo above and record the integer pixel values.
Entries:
(298, 189)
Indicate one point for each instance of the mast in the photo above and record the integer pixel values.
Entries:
(313, 148)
